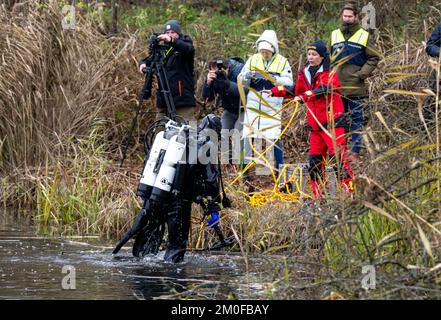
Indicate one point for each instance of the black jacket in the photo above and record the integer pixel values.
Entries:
(226, 88)
(179, 68)
(432, 49)
(434, 42)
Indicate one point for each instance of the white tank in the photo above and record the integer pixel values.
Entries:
(151, 168)
(166, 175)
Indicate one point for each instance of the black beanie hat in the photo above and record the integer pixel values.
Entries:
(172, 25)
(321, 49)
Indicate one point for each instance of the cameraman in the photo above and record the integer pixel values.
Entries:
(222, 81)
(179, 67)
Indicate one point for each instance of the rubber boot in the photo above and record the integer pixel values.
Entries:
(315, 185)
(178, 224)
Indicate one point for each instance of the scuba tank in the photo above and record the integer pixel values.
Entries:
(160, 168)
(166, 174)
(152, 165)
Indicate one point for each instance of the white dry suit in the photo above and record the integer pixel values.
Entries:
(280, 70)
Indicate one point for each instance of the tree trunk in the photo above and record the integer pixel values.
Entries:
(114, 26)
(8, 3)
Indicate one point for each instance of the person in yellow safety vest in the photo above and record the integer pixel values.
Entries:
(355, 58)
(266, 63)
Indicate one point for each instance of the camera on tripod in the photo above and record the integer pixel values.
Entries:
(153, 40)
(155, 66)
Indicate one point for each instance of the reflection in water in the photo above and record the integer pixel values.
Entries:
(31, 268)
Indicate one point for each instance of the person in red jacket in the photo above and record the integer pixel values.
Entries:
(319, 88)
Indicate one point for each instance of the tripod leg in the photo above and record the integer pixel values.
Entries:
(166, 93)
(144, 94)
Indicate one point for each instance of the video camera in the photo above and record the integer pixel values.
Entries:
(154, 42)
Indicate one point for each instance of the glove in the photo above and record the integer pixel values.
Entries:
(258, 76)
(213, 220)
(248, 76)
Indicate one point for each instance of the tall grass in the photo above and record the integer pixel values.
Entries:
(55, 84)
(61, 98)
(81, 196)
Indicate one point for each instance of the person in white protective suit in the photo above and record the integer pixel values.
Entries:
(262, 119)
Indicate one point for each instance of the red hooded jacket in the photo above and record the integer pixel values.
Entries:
(322, 97)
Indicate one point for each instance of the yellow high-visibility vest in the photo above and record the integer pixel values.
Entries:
(354, 47)
(361, 37)
(277, 64)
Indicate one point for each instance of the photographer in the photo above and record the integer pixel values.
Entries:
(221, 81)
(179, 67)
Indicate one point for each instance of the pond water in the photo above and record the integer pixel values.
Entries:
(32, 266)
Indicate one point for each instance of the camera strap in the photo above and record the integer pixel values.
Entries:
(168, 52)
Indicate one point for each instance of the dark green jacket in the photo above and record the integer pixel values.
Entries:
(351, 75)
